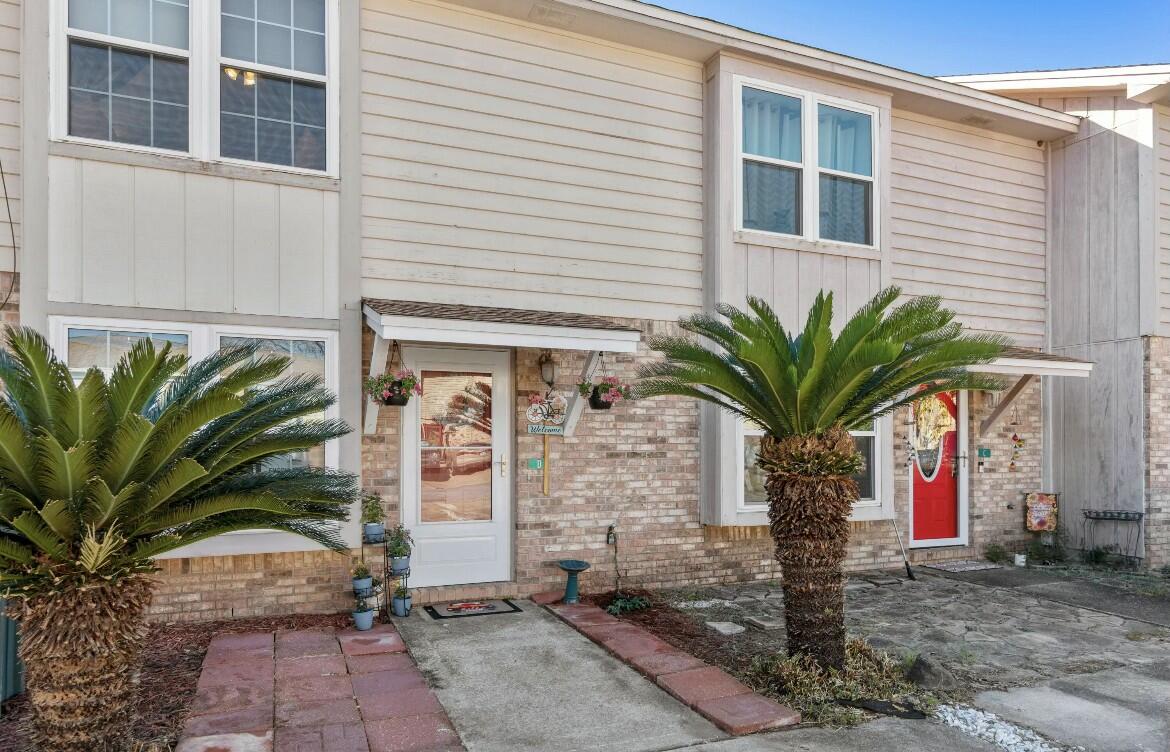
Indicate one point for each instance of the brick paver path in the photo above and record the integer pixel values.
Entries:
(315, 691)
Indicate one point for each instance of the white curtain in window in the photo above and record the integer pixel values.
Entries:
(771, 125)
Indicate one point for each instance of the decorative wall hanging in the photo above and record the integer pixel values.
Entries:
(1040, 514)
(1018, 444)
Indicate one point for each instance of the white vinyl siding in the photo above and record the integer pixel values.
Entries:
(967, 222)
(10, 118)
(509, 164)
(146, 237)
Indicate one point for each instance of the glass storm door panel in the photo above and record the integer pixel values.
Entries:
(936, 468)
(456, 469)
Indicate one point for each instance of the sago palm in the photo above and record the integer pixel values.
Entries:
(98, 478)
(807, 391)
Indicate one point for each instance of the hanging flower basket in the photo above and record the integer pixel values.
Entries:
(605, 393)
(394, 388)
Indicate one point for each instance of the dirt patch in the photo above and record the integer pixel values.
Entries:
(174, 655)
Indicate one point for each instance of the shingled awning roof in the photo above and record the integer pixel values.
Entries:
(451, 323)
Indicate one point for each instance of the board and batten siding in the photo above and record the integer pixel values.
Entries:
(127, 235)
(1162, 207)
(967, 222)
(10, 117)
(509, 164)
(1099, 304)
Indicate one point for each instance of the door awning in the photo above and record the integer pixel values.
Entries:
(1027, 365)
(454, 324)
(1016, 361)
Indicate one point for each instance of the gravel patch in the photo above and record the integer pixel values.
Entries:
(991, 728)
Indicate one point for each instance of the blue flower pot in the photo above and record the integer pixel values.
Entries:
(373, 532)
(399, 565)
(363, 586)
(363, 620)
(400, 606)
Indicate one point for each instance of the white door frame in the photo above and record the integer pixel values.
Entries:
(499, 363)
(963, 429)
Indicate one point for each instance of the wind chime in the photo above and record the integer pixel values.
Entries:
(1017, 440)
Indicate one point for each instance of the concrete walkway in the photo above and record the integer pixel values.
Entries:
(526, 681)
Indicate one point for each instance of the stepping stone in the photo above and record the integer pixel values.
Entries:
(333, 738)
(765, 623)
(253, 742)
(317, 665)
(381, 639)
(725, 628)
(222, 698)
(224, 671)
(257, 718)
(317, 713)
(701, 684)
(369, 686)
(377, 706)
(313, 688)
(246, 645)
(432, 732)
(368, 664)
(747, 713)
(304, 643)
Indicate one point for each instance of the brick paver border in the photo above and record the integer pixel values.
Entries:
(315, 691)
(711, 692)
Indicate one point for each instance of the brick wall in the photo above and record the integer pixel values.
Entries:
(1157, 441)
(635, 466)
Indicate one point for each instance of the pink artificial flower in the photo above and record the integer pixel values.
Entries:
(611, 380)
(535, 399)
(386, 393)
(418, 388)
(613, 395)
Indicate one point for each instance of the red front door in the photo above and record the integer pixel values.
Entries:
(935, 470)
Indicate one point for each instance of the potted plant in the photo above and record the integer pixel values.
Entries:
(400, 603)
(373, 518)
(363, 614)
(363, 581)
(604, 393)
(394, 388)
(398, 547)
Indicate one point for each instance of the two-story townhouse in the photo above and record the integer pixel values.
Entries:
(498, 194)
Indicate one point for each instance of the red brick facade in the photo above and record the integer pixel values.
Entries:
(635, 466)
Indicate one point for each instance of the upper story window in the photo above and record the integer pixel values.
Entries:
(806, 164)
(128, 72)
(229, 80)
(272, 82)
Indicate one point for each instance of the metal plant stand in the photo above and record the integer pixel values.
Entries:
(1126, 523)
(388, 577)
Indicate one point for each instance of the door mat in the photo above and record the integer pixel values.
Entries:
(461, 609)
(963, 565)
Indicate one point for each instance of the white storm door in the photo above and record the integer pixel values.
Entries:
(456, 468)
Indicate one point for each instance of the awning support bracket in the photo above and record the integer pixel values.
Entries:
(577, 402)
(377, 368)
(1004, 404)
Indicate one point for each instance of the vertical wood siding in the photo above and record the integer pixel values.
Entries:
(10, 126)
(1098, 299)
(1162, 208)
(139, 236)
(510, 164)
(968, 223)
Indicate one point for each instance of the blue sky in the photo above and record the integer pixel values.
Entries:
(938, 37)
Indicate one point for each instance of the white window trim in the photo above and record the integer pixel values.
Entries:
(877, 508)
(202, 340)
(204, 62)
(810, 169)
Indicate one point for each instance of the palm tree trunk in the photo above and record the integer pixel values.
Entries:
(82, 650)
(810, 496)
